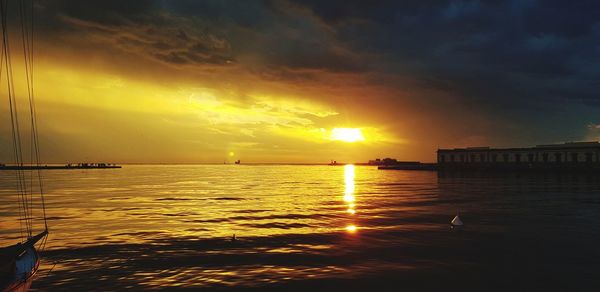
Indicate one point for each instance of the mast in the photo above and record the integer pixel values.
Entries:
(26, 181)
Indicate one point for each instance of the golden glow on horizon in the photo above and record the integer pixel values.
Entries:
(349, 135)
(198, 120)
(351, 228)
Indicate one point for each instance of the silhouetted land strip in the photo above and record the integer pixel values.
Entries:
(66, 166)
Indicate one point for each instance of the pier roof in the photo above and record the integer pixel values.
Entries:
(568, 145)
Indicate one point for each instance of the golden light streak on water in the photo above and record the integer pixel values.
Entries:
(349, 197)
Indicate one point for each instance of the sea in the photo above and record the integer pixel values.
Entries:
(311, 227)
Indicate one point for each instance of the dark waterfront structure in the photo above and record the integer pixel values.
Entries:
(387, 161)
(394, 164)
(408, 165)
(567, 156)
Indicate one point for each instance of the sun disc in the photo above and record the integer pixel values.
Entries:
(349, 135)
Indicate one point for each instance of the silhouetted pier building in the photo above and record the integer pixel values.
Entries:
(574, 155)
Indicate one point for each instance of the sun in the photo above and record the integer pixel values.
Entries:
(349, 135)
(351, 228)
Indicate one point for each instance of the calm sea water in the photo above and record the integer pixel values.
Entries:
(313, 227)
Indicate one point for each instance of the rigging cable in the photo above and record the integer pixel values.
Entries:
(27, 41)
(22, 209)
(21, 206)
(26, 201)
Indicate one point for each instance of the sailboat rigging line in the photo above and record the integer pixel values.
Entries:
(27, 40)
(25, 57)
(21, 206)
(23, 259)
(23, 209)
(34, 114)
(26, 202)
(12, 114)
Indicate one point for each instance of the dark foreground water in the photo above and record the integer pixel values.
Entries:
(313, 227)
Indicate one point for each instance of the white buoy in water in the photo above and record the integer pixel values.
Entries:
(456, 221)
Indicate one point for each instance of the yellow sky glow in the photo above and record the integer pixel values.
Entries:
(96, 114)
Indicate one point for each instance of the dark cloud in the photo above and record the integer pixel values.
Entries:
(517, 61)
(530, 68)
(142, 28)
(260, 34)
(514, 60)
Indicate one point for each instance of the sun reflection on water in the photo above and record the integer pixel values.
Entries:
(349, 197)
(351, 228)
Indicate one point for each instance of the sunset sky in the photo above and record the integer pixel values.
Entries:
(279, 81)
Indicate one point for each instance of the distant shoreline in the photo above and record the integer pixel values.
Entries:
(119, 165)
(63, 166)
(217, 163)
